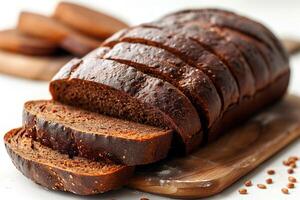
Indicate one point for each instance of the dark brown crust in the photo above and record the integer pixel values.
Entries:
(214, 69)
(94, 146)
(124, 87)
(187, 50)
(13, 40)
(52, 30)
(274, 61)
(58, 179)
(275, 64)
(232, 20)
(164, 65)
(248, 107)
(251, 54)
(244, 25)
(223, 49)
(256, 32)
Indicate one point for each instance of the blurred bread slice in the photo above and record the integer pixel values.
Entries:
(31, 67)
(15, 41)
(88, 21)
(52, 30)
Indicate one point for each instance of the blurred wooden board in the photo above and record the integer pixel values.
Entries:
(292, 45)
(215, 167)
(31, 67)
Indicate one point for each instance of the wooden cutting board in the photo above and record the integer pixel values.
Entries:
(31, 67)
(215, 167)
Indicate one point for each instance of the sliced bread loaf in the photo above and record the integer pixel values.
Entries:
(59, 171)
(82, 133)
(187, 50)
(166, 66)
(119, 90)
(222, 49)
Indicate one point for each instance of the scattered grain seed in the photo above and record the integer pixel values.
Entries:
(290, 171)
(292, 179)
(271, 172)
(285, 191)
(248, 183)
(243, 191)
(290, 185)
(285, 162)
(293, 165)
(269, 181)
(261, 186)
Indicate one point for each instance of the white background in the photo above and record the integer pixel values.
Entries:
(283, 17)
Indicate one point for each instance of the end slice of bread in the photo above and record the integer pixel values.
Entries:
(88, 21)
(75, 131)
(58, 171)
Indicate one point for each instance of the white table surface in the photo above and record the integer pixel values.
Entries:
(282, 16)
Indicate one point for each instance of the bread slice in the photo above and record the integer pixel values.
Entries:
(74, 131)
(182, 47)
(58, 171)
(222, 18)
(166, 66)
(13, 40)
(88, 21)
(51, 29)
(119, 90)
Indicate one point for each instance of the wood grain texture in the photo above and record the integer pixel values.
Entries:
(31, 67)
(215, 167)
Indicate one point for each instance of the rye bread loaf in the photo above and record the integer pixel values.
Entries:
(52, 30)
(58, 171)
(208, 63)
(222, 49)
(230, 20)
(269, 48)
(119, 90)
(190, 42)
(187, 50)
(82, 133)
(13, 40)
(164, 65)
